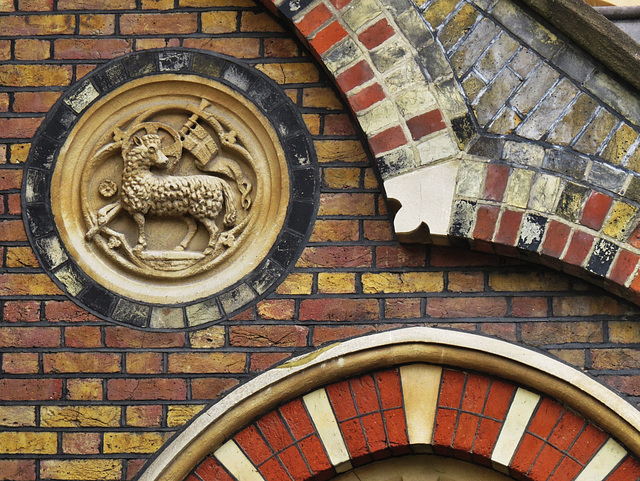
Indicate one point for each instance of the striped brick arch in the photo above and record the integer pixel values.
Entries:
(410, 392)
(487, 125)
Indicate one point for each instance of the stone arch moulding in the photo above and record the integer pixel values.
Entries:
(455, 394)
(514, 127)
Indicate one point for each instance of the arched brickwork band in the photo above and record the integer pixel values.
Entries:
(416, 390)
(488, 125)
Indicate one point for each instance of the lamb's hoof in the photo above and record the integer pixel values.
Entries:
(208, 251)
(179, 249)
(138, 249)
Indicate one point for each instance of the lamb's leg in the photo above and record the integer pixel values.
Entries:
(192, 227)
(211, 226)
(142, 238)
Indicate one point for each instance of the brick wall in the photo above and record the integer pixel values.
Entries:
(81, 398)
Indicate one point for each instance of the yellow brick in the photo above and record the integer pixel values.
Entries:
(84, 389)
(340, 151)
(140, 443)
(31, 49)
(627, 332)
(313, 123)
(527, 281)
(406, 282)
(15, 416)
(336, 283)
(34, 75)
(207, 338)
(28, 443)
(81, 470)
(79, 416)
(296, 284)
(219, 22)
(19, 153)
(342, 178)
(620, 220)
(179, 415)
(320, 98)
(290, 73)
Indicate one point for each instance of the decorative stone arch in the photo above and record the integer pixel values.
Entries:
(479, 151)
(411, 391)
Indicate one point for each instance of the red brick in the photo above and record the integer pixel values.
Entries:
(509, 227)
(67, 311)
(253, 444)
(595, 210)
(545, 463)
(624, 266)
(567, 469)
(405, 308)
(465, 435)
(67, 362)
(487, 219)
(21, 311)
(526, 454)
(566, 431)
(401, 256)
(12, 231)
(274, 431)
(262, 361)
(475, 393)
(387, 140)
(338, 124)
(466, 307)
(588, 444)
(341, 400)
(499, 400)
(279, 47)
(123, 337)
(262, 336)
(634, 238)
(545, 418)
(496, 183)
(146, 389)
(374, 431)
(158, 23)
(322, 335)
(396, 429)
(96, 5)
(451, 257)
(347, 204)
(376, 34)
(629, 470)
(30, 337)
(20, 362)
(211, 388)
(367, 97)
(340, 4)
(294, 463)
(354, 76)
(314, 453)
(273, 470)
(355, 441)
(82, 336)
(365, 394)
(451, 389)
(91, 48)
(336, 256)
(210, 469)
(17, 470)
(328, 37)
(313, 19)
(344, 310)
(10, 179)
(444, 431)
(34, 101)
(236, 47)
(297, 419)
(26, 25)
(485, 441)
(579, 247)
(19, 127)
(555, 239)
(425, 124)
(389, 388)
(144, 362)
(13, 203)
(207, 362)
(30, 389)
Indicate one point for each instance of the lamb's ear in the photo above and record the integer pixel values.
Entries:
(137, 140)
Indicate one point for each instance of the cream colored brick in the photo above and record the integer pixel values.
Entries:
(519, 187)
(471, 177)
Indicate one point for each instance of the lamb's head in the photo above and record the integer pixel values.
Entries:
(147, 148)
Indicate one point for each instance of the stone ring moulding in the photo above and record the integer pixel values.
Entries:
(170, 189)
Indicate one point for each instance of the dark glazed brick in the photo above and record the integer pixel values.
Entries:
(40, 220)
(242, 78)
(131, 313)
(571, 201)
(602, 257)
(37, 185)
(567, 163)
(291, 8)
(266, 276)
(140, 64)
(532, 232)
(237, 298)
(174, 61)
(396, 162)
(106, 80)
(263, 94)
(43, 152)
(488, 147)
(300, 216)
(607, 177)
(285, 119)
(209, 65)
(303, 183)
(51, 251)
(61, 120)
(413, 27)
(464, 214)
(297, 150)
(285, 249)
(98, 299)
(434, 61)
(463, 128)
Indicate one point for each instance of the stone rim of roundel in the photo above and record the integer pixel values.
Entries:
(301, 375)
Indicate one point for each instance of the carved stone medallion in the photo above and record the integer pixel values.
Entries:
(178, 191)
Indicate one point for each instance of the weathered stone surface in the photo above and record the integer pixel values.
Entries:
(472, 86)
(360, 12)
(438, 11)
(544, 193)
(415, 100)
(434, 61)
(341, 55)
(464, 214)
(393, 52)
(597, 131)
(571, 201)
(534, 88)
(618, 146)
(524, 61)
(457, 26)
(506, 122)
(519, 187)
(566, 162)
(497, 55)
(616, 95)
(620, 221)
(469, 175)
(468, 52)
(404, 77)
(523, 153)
(607, 176)
(495, 96)
(573, 121)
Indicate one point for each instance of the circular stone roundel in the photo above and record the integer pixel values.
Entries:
(170, 189)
